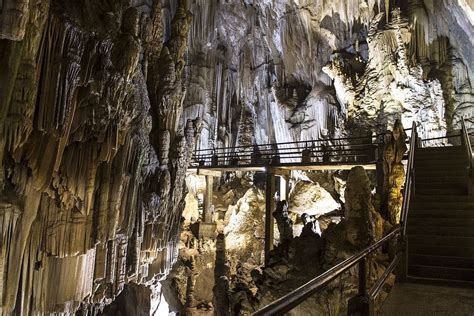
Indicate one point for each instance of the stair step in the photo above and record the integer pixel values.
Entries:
(440, 179)
(442, 273)
(428, 166)
(433, 240)
(439, 172)
(437, 205)
(441, 222)
(443, 158)
(440, 185)
(460, 198)
(440, 159)
(422, 190)
(444, 149)
(441, 261)
(429, 213)
(448, 251)
(455, 154)
(440, 231)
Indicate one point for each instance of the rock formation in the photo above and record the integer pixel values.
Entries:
(292, 70)
(91, 192)
(393, 170)
(361, 226)
(103, 102)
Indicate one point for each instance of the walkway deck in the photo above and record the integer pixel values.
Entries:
(330, 154)
(205, 170)
(413, 299)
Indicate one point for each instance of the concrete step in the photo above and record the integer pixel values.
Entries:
(440, 231)
(456, 159)
(424, 178)
(436, 250)
(442, 273)
(438, 172)
(436, 205)
(462, 184)
(459, 198)
(429, 166)
(441, 261)
(440, 155)
(456, 190)
(439, 150)
(432, 213)
(440, 222)
(434, 240)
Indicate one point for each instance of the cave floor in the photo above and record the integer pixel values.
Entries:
(420, 299)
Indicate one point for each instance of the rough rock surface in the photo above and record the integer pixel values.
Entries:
(92, 173)
(209, 269)
(394, 173)
(311, 198)
(274, 71)
(289, 269)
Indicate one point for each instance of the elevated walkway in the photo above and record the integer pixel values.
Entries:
(328, 154)
(278, 160)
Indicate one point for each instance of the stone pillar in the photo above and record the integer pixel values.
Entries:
(284, 187)
(208, 207)
(269, 208)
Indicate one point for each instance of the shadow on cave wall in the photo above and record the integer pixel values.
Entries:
(221, 276)
(134, 300)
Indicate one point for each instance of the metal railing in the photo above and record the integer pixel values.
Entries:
(466, 142)
(440, 141)
(409, 178)
(336, 150)
(363, 303)
(364, 298)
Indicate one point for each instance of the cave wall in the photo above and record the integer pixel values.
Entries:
(92, 147)
(265, 71)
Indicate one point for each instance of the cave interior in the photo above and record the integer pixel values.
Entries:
(215, 157)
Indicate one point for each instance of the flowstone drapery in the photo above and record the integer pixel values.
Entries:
(90, 199)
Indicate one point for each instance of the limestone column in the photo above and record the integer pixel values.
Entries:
(208, 207)
(284, 187)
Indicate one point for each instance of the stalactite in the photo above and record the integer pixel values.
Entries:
(13, 19)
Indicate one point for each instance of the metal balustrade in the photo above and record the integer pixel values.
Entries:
(361, 150)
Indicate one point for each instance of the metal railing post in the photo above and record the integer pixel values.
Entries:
(362, 278)
(360, 305)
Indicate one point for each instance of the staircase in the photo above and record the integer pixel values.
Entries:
(440, 223)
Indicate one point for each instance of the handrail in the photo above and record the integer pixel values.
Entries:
(467, 143)
(409, 179)
(362, 154)
(440, 137)
(374, 292)
(315, 141)
(295, 297)
(267, 147)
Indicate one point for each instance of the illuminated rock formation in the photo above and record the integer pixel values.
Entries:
(90, 200)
